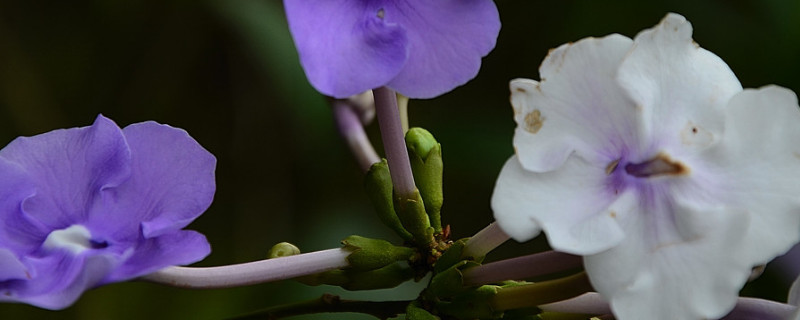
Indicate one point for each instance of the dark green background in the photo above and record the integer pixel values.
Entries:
(227, 72)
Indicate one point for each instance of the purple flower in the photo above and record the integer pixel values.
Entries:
(419, 48)
(648, 158)
(84, 207)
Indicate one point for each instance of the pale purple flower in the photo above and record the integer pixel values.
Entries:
(84, 207)
(646, 157)
(419, 48)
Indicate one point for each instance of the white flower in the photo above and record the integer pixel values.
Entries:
(646, 157)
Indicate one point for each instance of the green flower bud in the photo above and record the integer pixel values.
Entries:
(426, 164)
(371, 254)
(282, 249)
(379, 190)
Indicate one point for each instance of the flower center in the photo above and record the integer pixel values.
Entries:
(76, 238)
(661, 164)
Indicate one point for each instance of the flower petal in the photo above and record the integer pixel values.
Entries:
(759, 162)
(578, 106)
(59, 279)
(176, 248)
(447, 40)
(18, 231)
(10, 267)
(171, 184)
(344, 46)
(673, 270)
(70, 168)
(680, 88)
(572, 205)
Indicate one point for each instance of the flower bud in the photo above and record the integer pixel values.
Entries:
(426, 163)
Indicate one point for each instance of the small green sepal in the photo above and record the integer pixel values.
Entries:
(378, 184)
(426, 164)
(371, 254)
(450, 282)
(451, 256)
(411, 211)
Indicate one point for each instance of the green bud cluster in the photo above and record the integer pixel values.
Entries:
(415, 217)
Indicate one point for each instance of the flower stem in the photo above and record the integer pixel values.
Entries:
(250, 273)
(587, 303)
(753, 308)
(331, 303)
(393, 142)
(524, 267)
(746, 308)
(484, 241)
(535, 294)
(351, 129)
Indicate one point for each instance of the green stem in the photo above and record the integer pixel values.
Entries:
(330, 303)
(535, 294)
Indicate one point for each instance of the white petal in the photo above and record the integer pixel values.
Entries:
(759, 161)
(671, 271)
(680, 88)
(578, 106)
(571, 205)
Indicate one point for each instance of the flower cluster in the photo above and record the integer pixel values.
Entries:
(89, 206)
(648, 158)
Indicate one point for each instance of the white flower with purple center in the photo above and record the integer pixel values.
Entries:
(84, 207)
(419, 48)
(646, 157)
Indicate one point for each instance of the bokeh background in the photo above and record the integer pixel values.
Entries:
(226, 71)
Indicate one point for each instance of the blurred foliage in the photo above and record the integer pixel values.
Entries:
(226, 71)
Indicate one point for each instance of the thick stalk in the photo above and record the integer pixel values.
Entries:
(524, 267)
(535, 294)
(484, 241)
(394, 142)
(746, 308)
(250, 273)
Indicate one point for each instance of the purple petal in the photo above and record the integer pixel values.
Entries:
(345, 47)
(18, 231)
(59, 279)
(171, 184)
(177, 248)
(70, 168)
(10, 267)
(447, 39)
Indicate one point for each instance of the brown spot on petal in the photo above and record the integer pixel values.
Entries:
(612, 214)
(612, 166)
(521, 90)
(534, 121)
